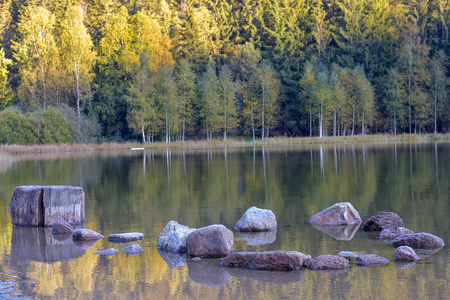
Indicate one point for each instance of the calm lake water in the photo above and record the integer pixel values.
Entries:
(141, 191)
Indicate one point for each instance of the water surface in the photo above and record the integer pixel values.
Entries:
(143, 190)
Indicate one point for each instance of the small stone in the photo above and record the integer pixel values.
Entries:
(349, 254)
(421, 240)
(133, 249)
(197, 259)
(256, 219)
(339, 214)
(84, 234)
(405, 253)
(126, 237)
(62, 227)
(382, 221)
(390, 234)
(326, 262)
(370, 260)
(109, 252)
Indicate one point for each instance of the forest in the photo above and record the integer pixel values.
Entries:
(172, 70)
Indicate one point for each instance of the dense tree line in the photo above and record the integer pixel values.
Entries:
(169, 69)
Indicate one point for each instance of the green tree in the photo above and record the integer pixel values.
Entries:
(269, 89)
(185, 79)
(439, 85)
(140, 100)
(5, 91)
(15, 128)
(209, 102)
(115, 63)
(227, 94)
(394, 100)
(166, 97)
(412, 61)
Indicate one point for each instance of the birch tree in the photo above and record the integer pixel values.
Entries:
(77, 54)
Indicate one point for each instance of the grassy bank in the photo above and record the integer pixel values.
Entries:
(8, 151)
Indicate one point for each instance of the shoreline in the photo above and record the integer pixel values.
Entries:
(11, 150)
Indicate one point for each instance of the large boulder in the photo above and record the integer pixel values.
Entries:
(62, 227)
(383, 220)
(268, 261)
(405, 253)
(210, 241)
(256, 219)
(44, 205)
(84, 234)
(421, 240)
(370, 260)
(173, 237)
(326, 262)
(390, 234)
(338, 214)
(126, 237)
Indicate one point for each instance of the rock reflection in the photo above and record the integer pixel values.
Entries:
(259, 238)
(374, 236)
(84, 244)
(38, 244)
(427, 252)
(173, 259)
(333, 272)
(405, 264)
(208, 272)
(280, 277)
(339, 232)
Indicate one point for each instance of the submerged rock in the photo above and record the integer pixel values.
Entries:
(256, 219)
(390, 234)
(126, 237)
(84, 234)
(370, 260)
(173, 237)
(44, 205)
(210, 241)
(269, 261)
(405, 253)
(421, 240)
(133, 249)
(109, 252)
(339, 214)
(383, 220)
(62, 227)
(326, 262)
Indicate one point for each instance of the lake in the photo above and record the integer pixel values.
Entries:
(140, 191)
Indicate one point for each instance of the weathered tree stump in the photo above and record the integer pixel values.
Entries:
(44, 205)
